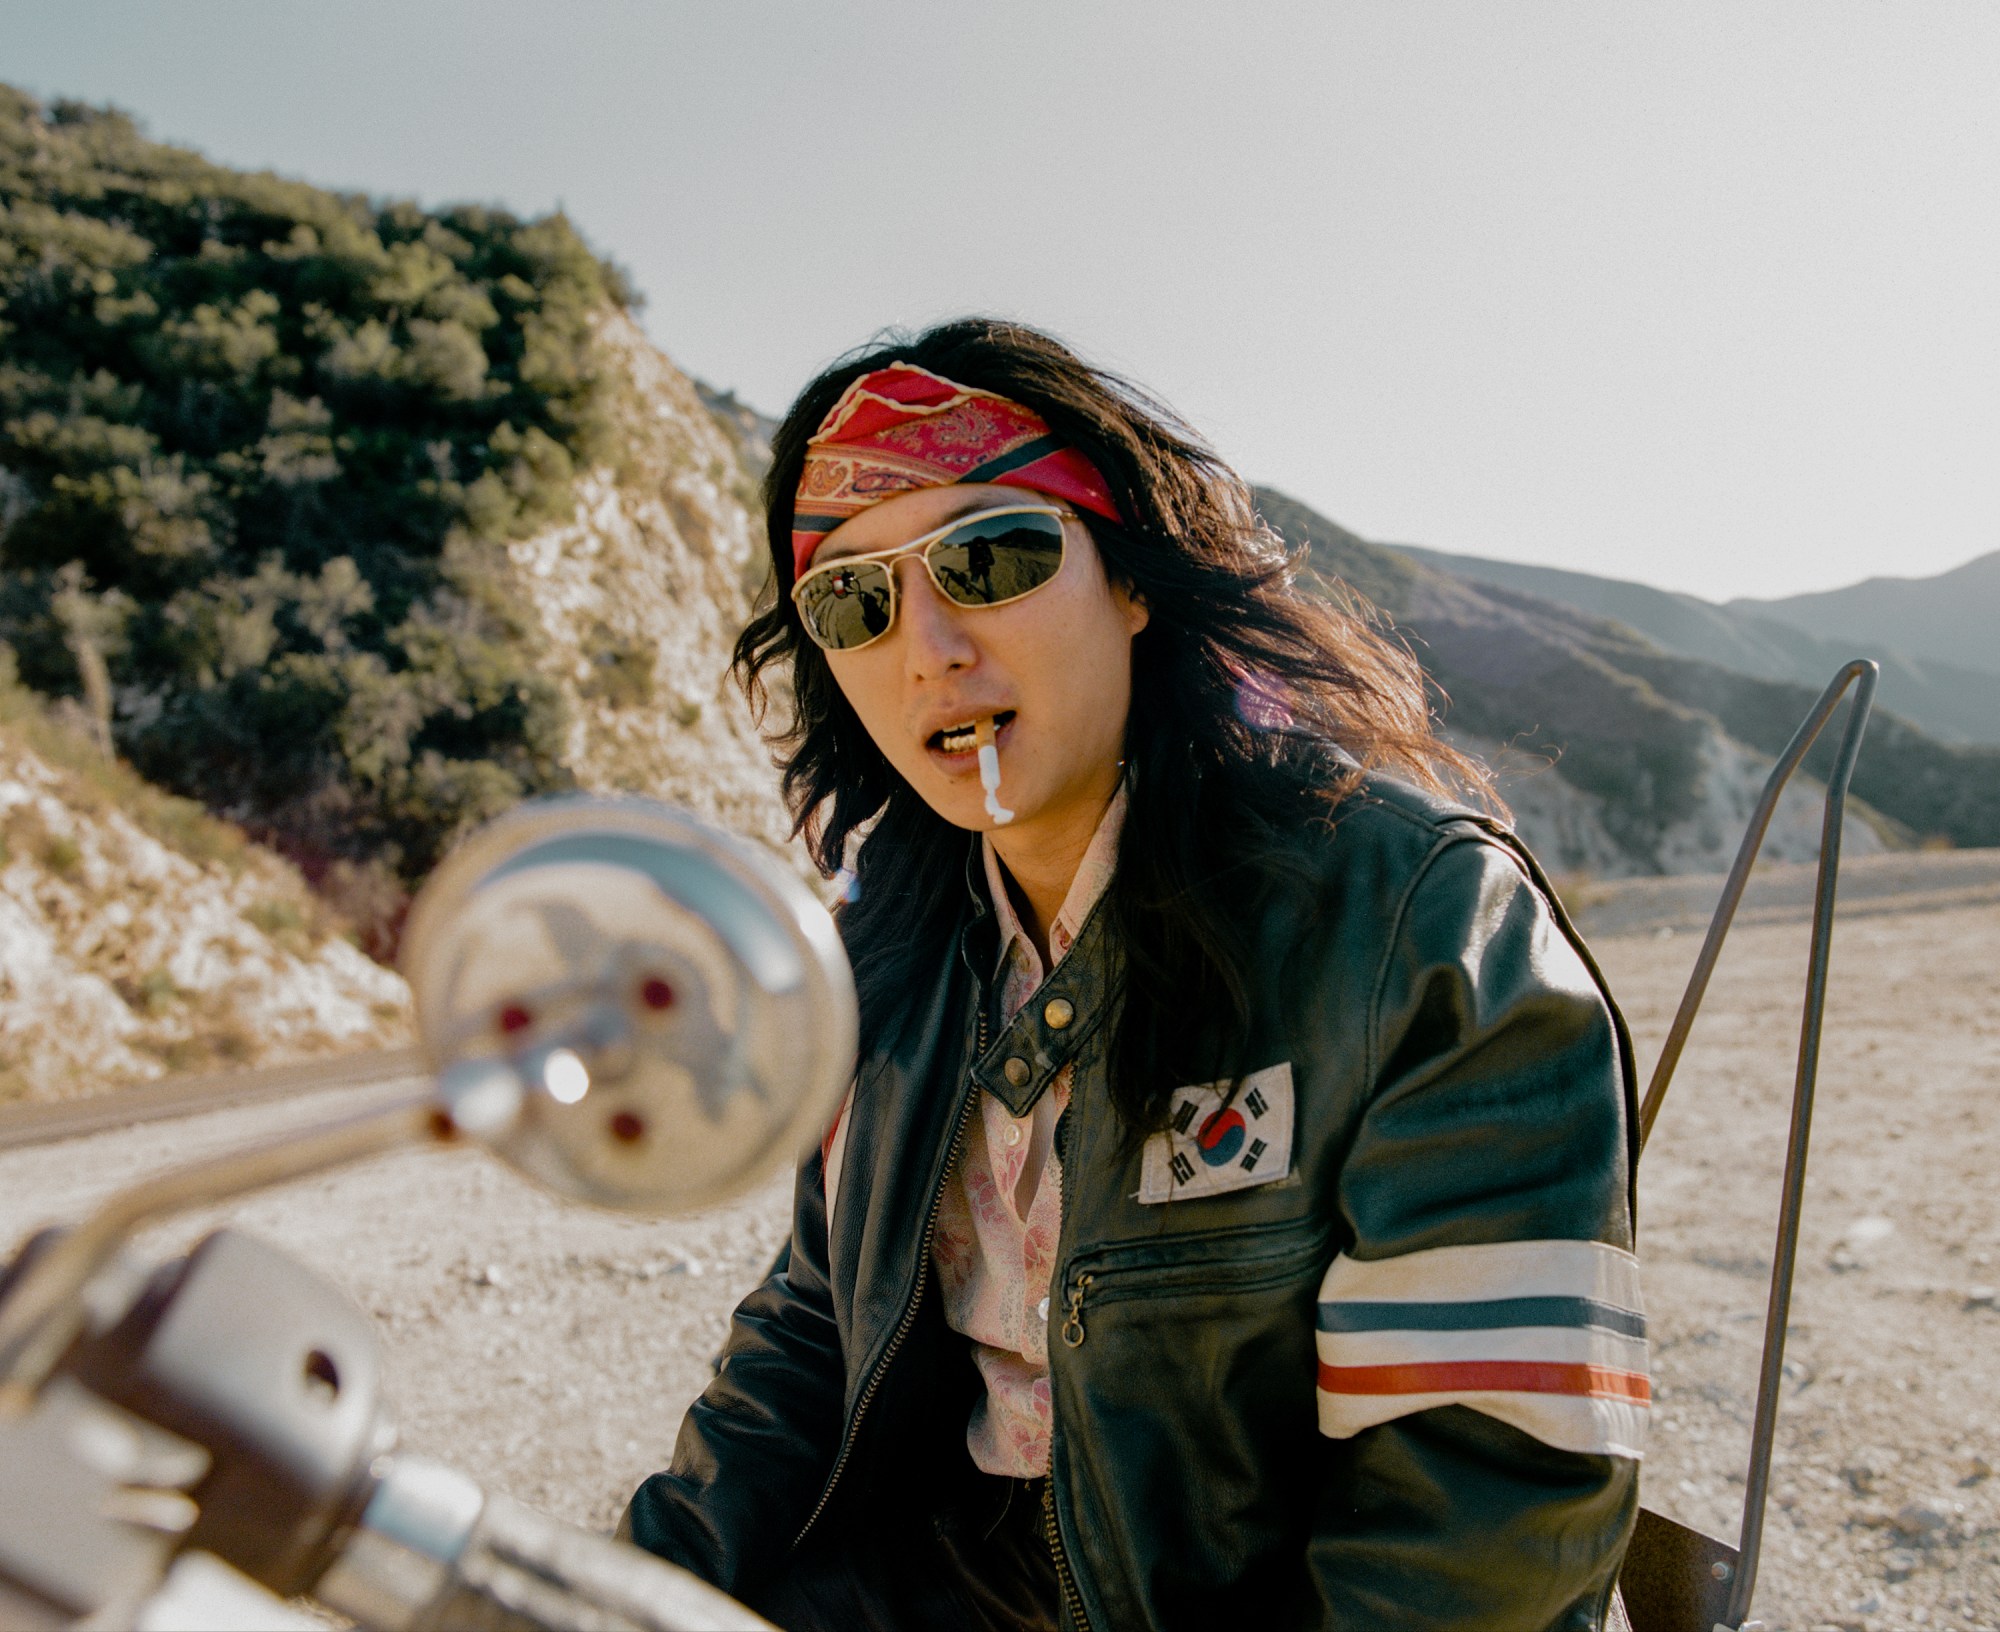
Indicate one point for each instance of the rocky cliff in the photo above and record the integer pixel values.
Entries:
(1617, 758)
(139, 936)
(639, 596)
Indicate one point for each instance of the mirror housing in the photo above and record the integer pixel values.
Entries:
(631, 1008)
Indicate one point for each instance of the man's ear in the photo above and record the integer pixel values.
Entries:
(1132, 605)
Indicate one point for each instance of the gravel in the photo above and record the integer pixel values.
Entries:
(550, 1351)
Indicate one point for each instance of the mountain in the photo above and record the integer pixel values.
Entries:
(357, 523)
(351, 522)
(1657, 757)
(354, 521)
(1953, 616)
(1951, 702)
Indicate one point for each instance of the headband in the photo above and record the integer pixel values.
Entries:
(902, 428)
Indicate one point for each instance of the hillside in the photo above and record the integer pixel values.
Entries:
(1668, 751)
(638, 595)
(266, 447)
(1950, 702)
(358, 523)
(1952, 616)
(140, 936)
(353, 521)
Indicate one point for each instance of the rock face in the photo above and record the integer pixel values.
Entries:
(123, 956)
(1567, 829)
(1617, 757)
(640, 596)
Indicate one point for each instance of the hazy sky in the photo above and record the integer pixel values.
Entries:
(1703, 293)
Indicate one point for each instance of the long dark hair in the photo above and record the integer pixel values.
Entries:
(1232, 644)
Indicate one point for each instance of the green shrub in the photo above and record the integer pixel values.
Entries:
(276, 918)
(152, 994)
(95, 783)
(272, 441)
(621, 671)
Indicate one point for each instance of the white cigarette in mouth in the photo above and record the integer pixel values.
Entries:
(989, 772)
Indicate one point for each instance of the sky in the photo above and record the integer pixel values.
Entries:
(1700, 294)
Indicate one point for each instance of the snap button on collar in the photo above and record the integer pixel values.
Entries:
(1016, 1071)
(1059, 1013)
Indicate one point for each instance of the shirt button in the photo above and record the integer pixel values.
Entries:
(1016, 1071)
(1059, 1013)
(1013, 1133)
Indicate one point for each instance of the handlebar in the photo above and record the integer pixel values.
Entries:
(632, 1009)
(216, 1443)
(435, 1554)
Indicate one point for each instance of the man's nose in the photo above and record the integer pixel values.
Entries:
(934, 636)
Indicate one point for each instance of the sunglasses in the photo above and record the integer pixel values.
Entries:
(985, 559)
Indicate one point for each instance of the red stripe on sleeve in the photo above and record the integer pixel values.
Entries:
(1489, 1377)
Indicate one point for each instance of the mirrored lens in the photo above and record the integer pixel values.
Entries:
(847, 605)
(991, 559)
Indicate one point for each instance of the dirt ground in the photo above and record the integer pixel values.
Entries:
(550, 1351)
(1884, 1511)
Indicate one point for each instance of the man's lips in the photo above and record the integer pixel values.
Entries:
(957, 745)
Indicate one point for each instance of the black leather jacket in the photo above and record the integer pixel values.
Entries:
(1460, 1077)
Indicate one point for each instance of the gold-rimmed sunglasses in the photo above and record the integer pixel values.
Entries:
(988, 558)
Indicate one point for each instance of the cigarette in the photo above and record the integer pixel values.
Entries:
(989, 772)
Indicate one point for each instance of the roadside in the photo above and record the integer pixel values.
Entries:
(1782, 892)
(1884, 1512)
(550, 1351)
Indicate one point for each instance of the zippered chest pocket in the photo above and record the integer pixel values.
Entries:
(1206, 1269)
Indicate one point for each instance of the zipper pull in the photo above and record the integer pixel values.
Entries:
(1072, 1326)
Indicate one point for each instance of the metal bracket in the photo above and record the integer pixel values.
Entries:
(1862, 675)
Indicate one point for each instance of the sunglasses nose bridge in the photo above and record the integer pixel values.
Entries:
(934, 633)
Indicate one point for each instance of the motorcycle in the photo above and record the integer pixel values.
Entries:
(636, 1012)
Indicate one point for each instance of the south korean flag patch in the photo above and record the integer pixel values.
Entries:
(1208, 1149)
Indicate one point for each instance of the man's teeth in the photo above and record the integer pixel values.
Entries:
(963, 739)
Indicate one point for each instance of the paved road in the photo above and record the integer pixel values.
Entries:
(1782, 892)
(173, 1097)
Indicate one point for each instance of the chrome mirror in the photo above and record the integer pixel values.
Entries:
(632, 1009)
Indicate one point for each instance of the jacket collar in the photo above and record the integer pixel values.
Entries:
(1053, 1025)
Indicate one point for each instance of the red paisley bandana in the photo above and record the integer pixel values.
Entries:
(903, 428)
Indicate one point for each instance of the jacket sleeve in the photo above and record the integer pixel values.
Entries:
(1482, 1371)
(755, 1449)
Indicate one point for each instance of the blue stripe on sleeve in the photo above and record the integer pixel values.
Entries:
(1489, 1314)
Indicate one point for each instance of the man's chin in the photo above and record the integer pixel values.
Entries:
(970, 813)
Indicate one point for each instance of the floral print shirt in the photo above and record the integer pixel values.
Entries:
(1002, 1207)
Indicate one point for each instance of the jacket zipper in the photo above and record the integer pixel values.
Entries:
(1072, 1326)
(1079, 1619)
(909, 1319)
(1269, 1269)
(1072, 1599)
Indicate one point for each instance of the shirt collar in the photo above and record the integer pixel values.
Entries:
(1093, 876)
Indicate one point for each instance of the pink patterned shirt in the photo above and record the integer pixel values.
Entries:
(1002, 1207)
